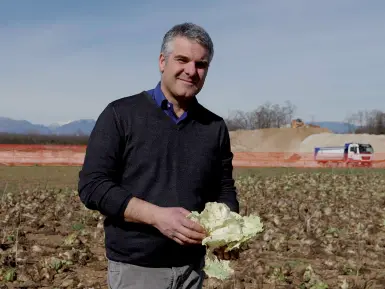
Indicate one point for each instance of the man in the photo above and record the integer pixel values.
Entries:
(154, 157)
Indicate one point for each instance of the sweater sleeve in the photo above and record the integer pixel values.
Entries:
(227, 194)
(98, 185)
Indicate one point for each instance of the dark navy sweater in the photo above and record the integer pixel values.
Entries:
(136, 150)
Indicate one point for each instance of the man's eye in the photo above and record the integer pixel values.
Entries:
(201, 65)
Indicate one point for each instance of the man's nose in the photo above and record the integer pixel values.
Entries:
(190, 68)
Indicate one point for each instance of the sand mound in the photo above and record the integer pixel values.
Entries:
(312, 141)
(272, 139)
(297, 140)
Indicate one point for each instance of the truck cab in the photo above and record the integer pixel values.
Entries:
(351, 154)
(358, 153)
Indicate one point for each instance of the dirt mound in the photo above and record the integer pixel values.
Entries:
(272, 139)
(312, 141)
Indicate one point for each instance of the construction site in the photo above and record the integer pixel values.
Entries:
(272, 147)
(298, 138)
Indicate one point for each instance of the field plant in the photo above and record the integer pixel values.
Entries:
(321, 230)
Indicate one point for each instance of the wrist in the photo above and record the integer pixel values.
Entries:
(139, 211)
(154, 213)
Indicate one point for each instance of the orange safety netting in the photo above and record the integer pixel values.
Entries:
(73, 155)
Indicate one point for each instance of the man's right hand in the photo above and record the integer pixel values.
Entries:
(173, 223)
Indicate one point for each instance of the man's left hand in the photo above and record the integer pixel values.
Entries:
(231, 255)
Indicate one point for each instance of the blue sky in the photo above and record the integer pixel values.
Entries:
(66, 60)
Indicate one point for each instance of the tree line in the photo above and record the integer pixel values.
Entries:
(267, 115)
(367, 121)
(275, 116)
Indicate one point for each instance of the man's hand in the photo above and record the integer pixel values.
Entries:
(173, 223)
(231, 255)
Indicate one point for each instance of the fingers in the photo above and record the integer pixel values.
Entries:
(177, 237)
(182, 239)
(194, 226)
(180, 242)
(192, 235)
(190, 223)
(181, 229)
(188, 236)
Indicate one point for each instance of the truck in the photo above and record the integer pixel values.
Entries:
(350, 155)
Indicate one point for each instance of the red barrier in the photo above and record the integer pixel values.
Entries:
(19, 155)
(73, 155)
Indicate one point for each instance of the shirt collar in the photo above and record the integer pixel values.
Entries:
(162, 101)
(159, 96)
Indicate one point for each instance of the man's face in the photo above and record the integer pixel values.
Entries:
(184, 72)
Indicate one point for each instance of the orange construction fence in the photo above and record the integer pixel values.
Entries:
(73, 155)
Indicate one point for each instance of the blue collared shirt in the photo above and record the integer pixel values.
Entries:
(163, 103)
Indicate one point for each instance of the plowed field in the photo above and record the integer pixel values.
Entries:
(322, 229)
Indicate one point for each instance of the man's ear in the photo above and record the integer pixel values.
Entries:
(162, 62)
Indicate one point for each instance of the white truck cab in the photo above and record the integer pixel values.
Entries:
(351, 154)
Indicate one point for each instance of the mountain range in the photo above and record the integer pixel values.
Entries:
(336, 127)
(77, 127)
(85, 126)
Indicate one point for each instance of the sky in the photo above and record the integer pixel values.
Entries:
(66, 60)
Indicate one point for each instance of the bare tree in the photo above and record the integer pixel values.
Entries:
(369, 121)
(351, 121)
(238, 120)
(265, 116)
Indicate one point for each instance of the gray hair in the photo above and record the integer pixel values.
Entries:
(190, 31)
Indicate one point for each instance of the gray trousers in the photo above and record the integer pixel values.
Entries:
(127, 276)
